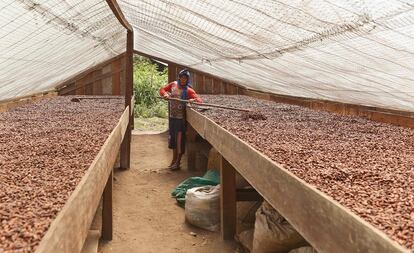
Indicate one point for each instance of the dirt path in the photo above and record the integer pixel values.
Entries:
(146, 218)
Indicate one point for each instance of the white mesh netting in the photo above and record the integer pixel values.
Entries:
(45, 42)
(350, 51)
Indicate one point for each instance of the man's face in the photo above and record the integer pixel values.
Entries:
(183, 79)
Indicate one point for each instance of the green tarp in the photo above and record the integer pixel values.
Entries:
(212, 177)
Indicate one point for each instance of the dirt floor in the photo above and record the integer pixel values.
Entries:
(146, 218)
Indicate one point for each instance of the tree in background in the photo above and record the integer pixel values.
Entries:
(148, 79)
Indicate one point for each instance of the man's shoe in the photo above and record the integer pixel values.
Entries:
(175, 167)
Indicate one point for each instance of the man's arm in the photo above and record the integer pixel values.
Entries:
(164, 90)
(192, 96)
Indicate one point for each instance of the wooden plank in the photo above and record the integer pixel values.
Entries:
(107, 217)
(69, 230)
(216, 85)
(116, 84)
(118, 14)
(122, 68)
(391, 116)
(69, 81)
(254, 94)
(107, 86)
(322, 221)
(222, 85)
(69, 89)
(80, 86)
(116, 77)
(228, 209)
(194, 81)
(208, 86)
(89, 89)
(233, 89)
(19, 101)
(97, 84)
(385, 115)
(200, 84)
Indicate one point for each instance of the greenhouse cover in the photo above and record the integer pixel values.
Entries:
(351, 51)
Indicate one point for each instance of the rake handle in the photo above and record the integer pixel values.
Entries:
(206, 104)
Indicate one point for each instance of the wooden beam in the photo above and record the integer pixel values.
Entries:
(172, 75)
(129, 67)
(228, 209)
(248, 194)
(155, 58)
(323, 222)
(69, 229)
(129, 84)
(118, 14)
(107, 217)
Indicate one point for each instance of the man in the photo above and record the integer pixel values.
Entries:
(177, 124)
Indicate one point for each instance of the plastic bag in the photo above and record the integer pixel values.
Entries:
(212, 177)
(202, 208)
(245, 238)
(273, 234)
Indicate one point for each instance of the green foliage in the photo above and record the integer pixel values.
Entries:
(151, 124)
(147, 83)
(159, 109)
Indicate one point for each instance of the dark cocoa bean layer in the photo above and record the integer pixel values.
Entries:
(366, 166)
(45, 149)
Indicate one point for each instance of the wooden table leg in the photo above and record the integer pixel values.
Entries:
(191, 147)
(125, 152)
(107, 210)
(228, 200)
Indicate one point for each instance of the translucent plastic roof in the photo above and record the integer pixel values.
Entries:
(45, 42)
(351, 51)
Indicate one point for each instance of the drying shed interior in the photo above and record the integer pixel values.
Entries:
(332, 81)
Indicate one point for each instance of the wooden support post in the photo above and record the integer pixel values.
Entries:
(107, 221)
(191, 147)
(132, 109)
(126, 143)
(172, 73)
(228, 200)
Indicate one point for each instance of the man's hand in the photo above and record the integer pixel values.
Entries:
(192, 100)
(166, 96)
